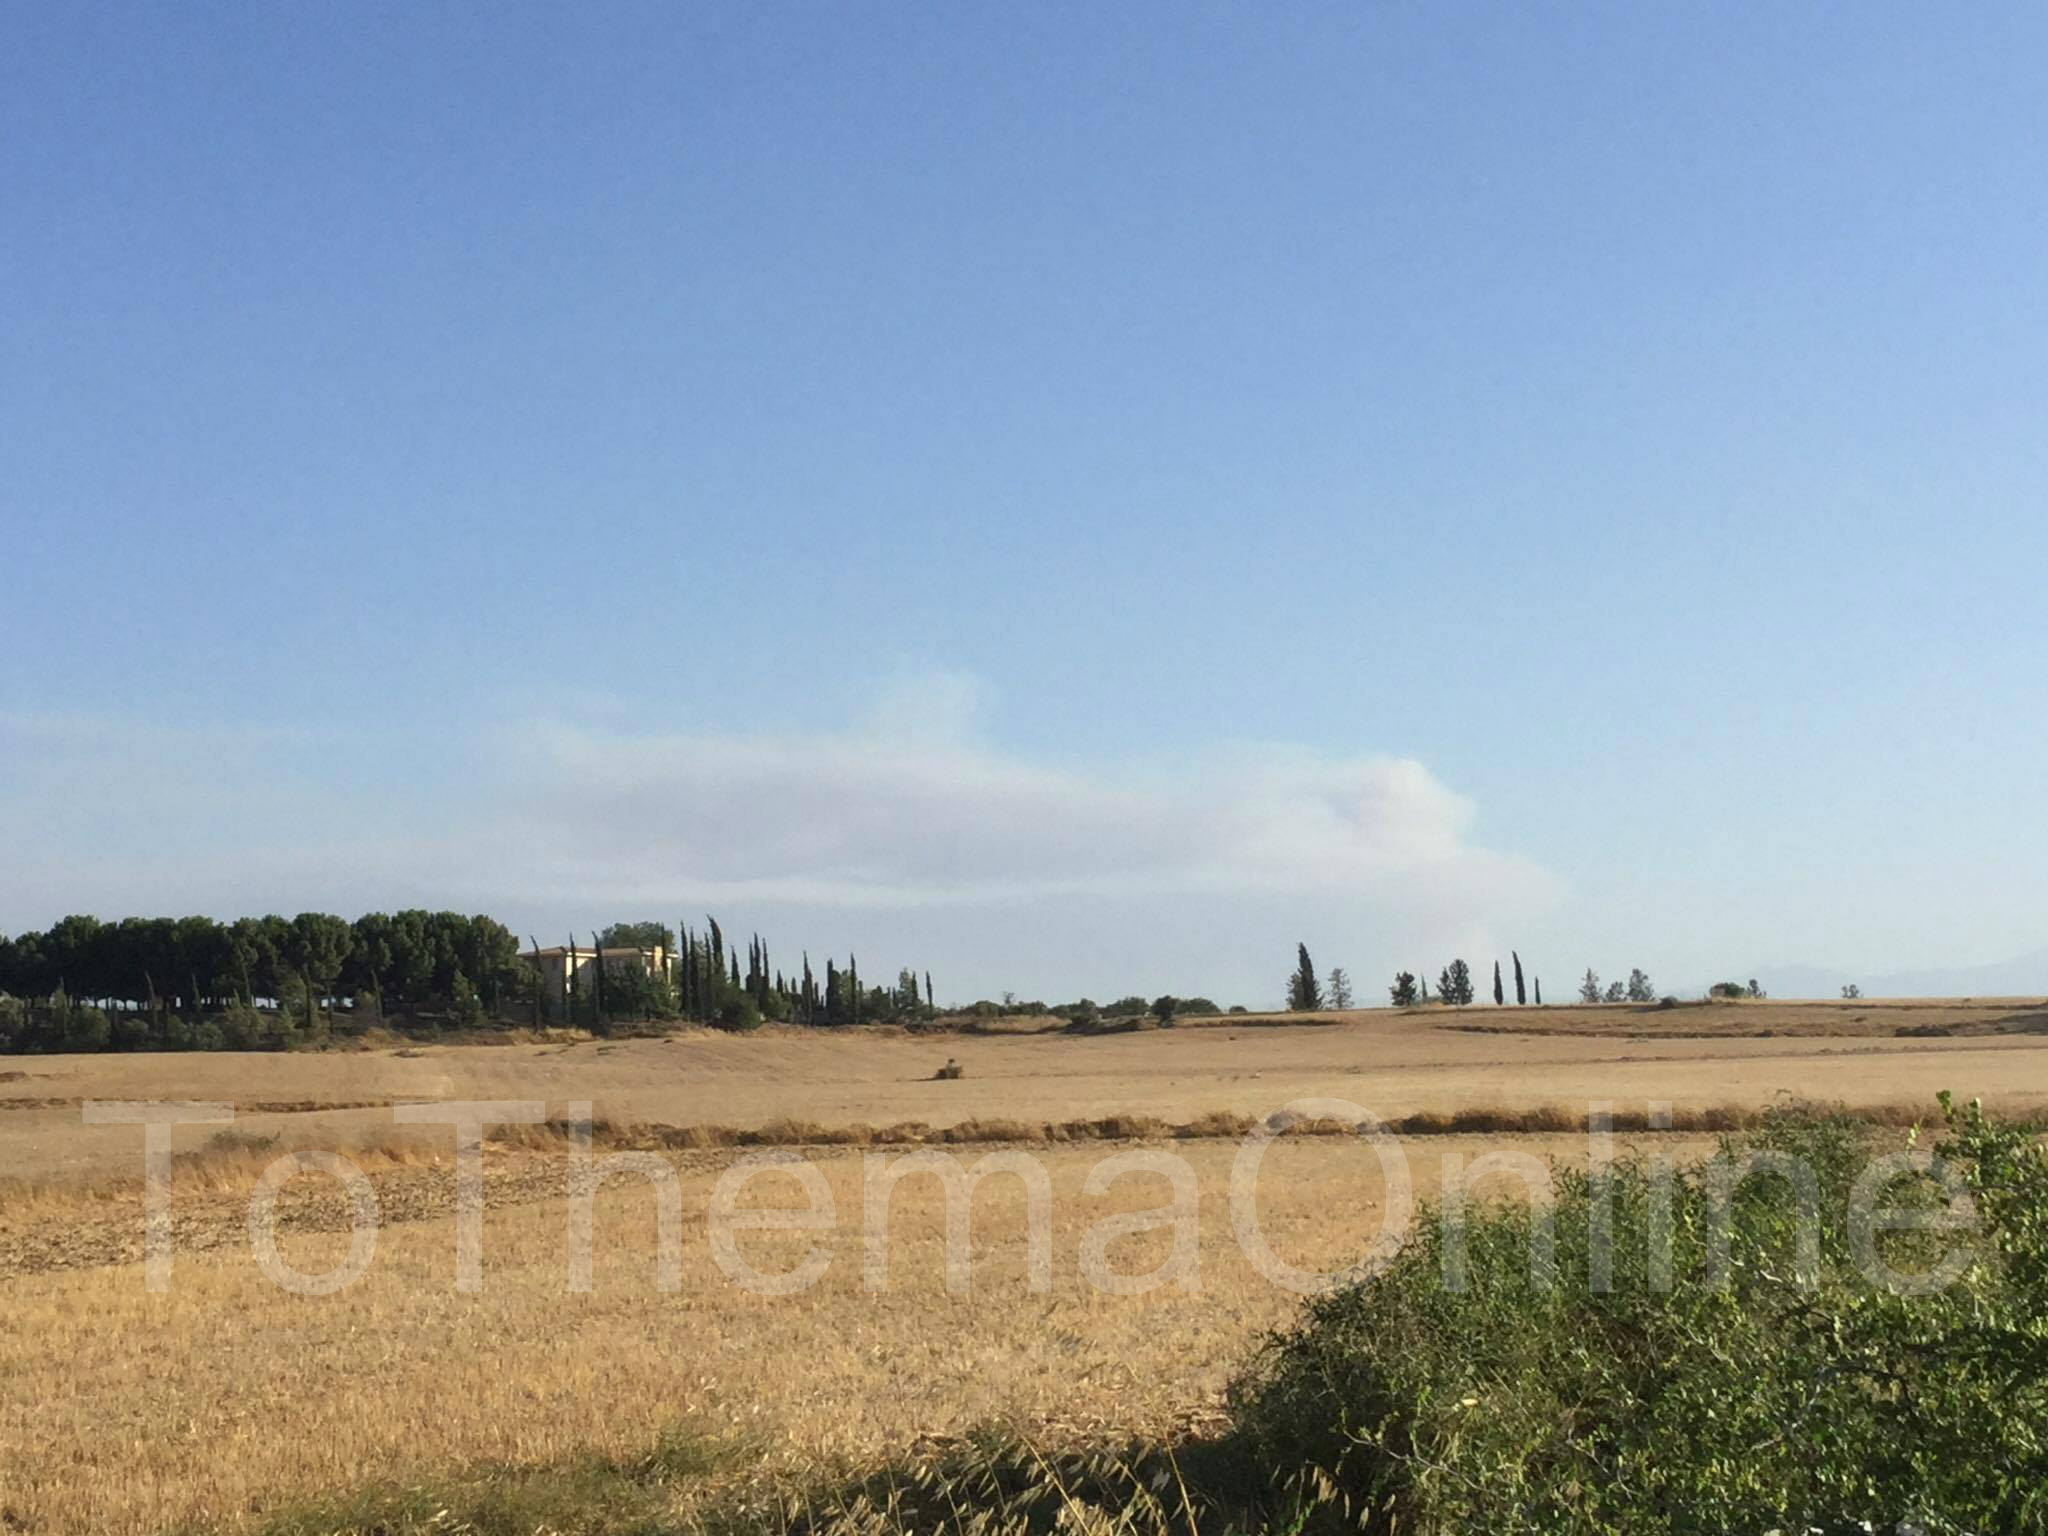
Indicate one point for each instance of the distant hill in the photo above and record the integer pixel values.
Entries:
(2026, 976)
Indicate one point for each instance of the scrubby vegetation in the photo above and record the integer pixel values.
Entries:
(1796, 1395)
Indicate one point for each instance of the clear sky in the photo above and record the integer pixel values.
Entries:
(1075, 496)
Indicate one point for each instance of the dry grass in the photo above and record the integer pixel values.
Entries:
(122, 1411)
(232, 1161)
(1429, 1062)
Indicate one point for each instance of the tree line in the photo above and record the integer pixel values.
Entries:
(1454, 985)
(189, 983)
(709, 986)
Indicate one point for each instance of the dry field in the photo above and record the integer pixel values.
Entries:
(227, 1395)
(1391, 1063)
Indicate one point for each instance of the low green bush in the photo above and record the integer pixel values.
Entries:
(1795, 1394)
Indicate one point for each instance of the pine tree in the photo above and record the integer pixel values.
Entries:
(1521, 992)
(1589, 989)
(1303, 995)
(1403, 990)
(1340, 988)
(1455, 983)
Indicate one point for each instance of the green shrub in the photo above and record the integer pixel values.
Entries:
(242, 1028)
(130, 1030)
(465, 1008)
(1512, 1406)
(86, 1029)
(739, 1013)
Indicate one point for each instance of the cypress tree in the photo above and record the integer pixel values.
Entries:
(572, 986)
(929, 1001)
(853, 989)
(1521, 992)
(597, 985)
(1303, 994)
(1499, 996)
(1539, 991)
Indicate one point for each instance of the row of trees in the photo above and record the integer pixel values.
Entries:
(710, 987)
(1454, 986)
(196, 983)
(1637, 989)
(196, 965)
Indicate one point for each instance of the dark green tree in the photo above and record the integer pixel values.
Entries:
(1455, 984)
(1521, 991)
(1304, 995)
(1403, 991)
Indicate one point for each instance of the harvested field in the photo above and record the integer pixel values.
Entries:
(125, 1411)
(229, 1395)
(1393, 1063)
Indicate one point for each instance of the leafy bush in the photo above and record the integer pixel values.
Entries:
(1514, 1406)
(739, 1013)
(86, 1029)
(130, 1031)
(242, 1028)
(465, 1008)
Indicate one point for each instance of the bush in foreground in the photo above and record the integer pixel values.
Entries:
(1797, 1395)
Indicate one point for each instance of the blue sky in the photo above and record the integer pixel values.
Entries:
(1076, 496)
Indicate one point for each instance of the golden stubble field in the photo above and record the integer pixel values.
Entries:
(1391, 1063)
(227, 1395)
